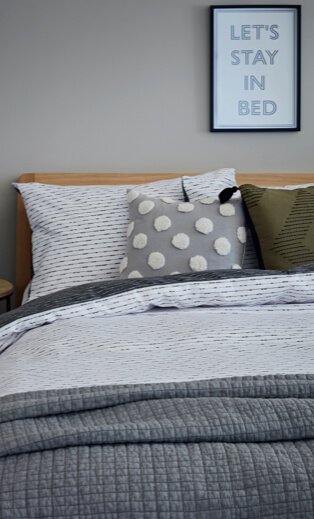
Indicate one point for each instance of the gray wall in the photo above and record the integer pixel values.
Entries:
(96, 85)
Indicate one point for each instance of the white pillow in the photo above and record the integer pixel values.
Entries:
(79, 232)
(210, 183)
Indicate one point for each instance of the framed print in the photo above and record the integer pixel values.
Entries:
(255, 68)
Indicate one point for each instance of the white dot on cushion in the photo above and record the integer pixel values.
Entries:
(146, 206)
(123, 264)
(130, 229)
(167, 200)
(227, 209)
(235, 266)
(181, 241)
(204, 225)
(135, 274)
(174, 273)
(162, 223)
(222, 246)
(156, 260)
(139, 241)
(198, 263)
(185, 207)
(132, 195)
(241, 234)
(207, 200)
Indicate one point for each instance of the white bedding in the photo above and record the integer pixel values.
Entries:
(87, 348)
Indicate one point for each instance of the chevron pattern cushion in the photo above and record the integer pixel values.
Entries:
(283, 223)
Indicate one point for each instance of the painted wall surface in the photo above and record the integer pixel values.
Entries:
(96, 85)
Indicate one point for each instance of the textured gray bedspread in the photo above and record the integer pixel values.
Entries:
(225, 448)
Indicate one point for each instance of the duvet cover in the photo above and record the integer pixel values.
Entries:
(187, 396)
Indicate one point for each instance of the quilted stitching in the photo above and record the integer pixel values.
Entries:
(183, 450)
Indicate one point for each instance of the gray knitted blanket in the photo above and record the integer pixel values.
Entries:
(225, 448)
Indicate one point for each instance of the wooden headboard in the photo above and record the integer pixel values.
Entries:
(23, 232)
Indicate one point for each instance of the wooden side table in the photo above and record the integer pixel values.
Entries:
(6, 290)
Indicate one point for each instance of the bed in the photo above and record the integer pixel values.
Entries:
(180, 395)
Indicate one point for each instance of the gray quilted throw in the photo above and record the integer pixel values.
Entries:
(225, 448)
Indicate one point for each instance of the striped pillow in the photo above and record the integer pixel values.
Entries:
(208, 184)
(79, 232)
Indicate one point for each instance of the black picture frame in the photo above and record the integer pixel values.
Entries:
(255, 68)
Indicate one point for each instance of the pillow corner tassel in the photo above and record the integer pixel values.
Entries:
(227, 193)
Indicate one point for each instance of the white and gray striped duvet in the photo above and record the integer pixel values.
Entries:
(191, 327)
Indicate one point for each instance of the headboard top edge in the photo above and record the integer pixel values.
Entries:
(127, 177)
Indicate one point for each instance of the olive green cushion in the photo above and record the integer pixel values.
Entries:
(283, 223)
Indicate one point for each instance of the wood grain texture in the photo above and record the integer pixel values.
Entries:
(23, 232)
(86, 179)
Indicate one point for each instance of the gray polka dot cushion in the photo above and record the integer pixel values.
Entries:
(168, 237)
